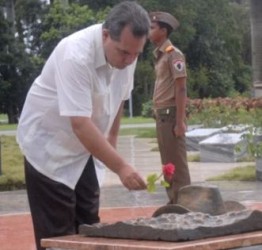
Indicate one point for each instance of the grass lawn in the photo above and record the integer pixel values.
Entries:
(136, 120)
(4, 127)
(12, 176)
(247, 173)
(139, 132)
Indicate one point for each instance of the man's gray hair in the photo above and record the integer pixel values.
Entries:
(127, 13)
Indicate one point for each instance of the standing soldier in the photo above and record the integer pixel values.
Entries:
(169, 100)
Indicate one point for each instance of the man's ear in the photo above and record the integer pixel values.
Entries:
(105, 34)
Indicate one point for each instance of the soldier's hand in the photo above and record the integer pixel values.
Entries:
(180, 129)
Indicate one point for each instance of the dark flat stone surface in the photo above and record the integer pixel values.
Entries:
(178, 227)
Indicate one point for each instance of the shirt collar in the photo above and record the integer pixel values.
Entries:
(162, 48)
(100, 59)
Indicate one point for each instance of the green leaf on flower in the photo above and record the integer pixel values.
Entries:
(164, 184)
(151, 188)
(152, 178)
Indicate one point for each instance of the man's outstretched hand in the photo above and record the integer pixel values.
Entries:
(131, 179)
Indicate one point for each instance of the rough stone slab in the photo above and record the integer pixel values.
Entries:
(178, 227)
(193, 137)
(237, 128)
(223, 148)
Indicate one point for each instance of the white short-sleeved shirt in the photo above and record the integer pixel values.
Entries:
(75, 81)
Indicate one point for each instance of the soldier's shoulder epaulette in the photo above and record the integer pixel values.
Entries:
(169, 48)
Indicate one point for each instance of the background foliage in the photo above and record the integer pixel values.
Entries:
(214, 37)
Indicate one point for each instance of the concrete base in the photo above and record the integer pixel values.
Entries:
(77, 242)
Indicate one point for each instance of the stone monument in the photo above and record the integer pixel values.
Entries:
(200, 213)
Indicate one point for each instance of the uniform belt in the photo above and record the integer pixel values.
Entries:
(165, 111)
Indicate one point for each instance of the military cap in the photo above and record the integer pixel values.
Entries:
(164, 17)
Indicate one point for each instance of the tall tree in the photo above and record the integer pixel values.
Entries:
(15, 63)
(213, 37)
(62, 20)
(29, 16)
(256, 31)
(96, 5)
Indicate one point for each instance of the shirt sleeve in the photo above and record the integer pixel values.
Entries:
(73, 81)
(177, 64)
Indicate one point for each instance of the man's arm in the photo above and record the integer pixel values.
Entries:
(181, 100)
(95, 142)
(113, 133)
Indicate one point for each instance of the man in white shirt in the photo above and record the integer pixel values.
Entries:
(71, 117)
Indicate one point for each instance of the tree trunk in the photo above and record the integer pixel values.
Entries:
(256, 38)
(10, 13)
(12, 114)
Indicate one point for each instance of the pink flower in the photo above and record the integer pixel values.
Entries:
(168, 170)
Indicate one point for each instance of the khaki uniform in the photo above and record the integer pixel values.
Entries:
(170, 65)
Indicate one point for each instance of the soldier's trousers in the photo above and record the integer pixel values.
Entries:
(172, 150)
